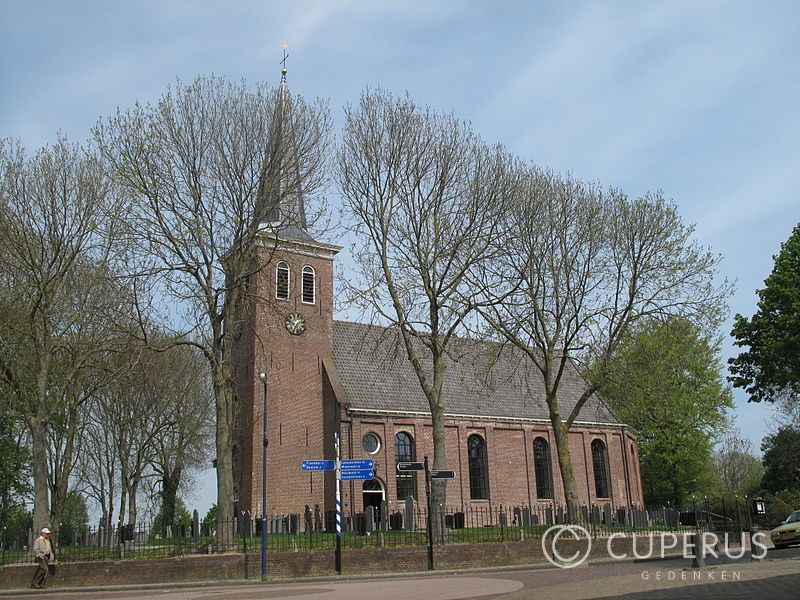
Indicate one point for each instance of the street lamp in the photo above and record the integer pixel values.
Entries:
(263, 377)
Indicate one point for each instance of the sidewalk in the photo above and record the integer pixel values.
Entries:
(651, 580)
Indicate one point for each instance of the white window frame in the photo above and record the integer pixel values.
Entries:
(313, 273)
(288, 279)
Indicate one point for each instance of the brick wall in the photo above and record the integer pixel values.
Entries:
(299, 564)
(511, 472)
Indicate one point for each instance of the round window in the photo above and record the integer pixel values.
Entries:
(371, 443)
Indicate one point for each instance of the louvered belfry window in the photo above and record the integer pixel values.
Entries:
(282, 276)
(309, 293)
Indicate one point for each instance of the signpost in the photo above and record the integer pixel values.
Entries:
(437, 474)
(317, 465)
(429, 523)
(409, 466)
(357, 464)
(357, 475)
(346, 470)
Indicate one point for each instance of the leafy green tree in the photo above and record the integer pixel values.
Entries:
(666, 382)
(182, 517)
(770, 367)
(14, 527)
(14, 458)
(211, 516)
(74, 520)
(782, 461)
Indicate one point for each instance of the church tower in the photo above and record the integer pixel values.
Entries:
(287, 338)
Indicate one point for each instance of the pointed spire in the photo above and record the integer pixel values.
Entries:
(280, 191)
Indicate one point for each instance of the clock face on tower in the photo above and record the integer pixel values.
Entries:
(295, 323)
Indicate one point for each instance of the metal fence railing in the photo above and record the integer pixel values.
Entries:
(371, 529)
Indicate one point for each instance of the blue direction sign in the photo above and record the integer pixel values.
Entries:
(366, 463)
(317, 465)
(356, 475)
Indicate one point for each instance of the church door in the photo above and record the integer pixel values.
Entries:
(373, 496)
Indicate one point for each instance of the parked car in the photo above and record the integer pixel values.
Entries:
(788, 532)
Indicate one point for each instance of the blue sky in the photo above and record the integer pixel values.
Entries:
(699, 99)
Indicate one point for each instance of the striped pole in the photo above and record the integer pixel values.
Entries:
(338, 508)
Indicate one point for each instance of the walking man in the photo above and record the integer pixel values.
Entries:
(43, 553)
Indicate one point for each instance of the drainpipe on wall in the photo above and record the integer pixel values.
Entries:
(625, 464)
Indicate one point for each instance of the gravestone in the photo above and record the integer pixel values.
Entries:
(195, 526)
(307, 519)
(409, 517)
(622, 517)
(548, 515)
(317, 518)
(369, 520)
(330, 521)
(607, 515)
(294, 524)
(384, 521)
(396, 521)
(525, 517)
(503, 518)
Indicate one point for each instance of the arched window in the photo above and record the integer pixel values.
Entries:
(542, 468)
(282, 275)
(309, 294)
(600, 469)
(404, 452)
(476, 452)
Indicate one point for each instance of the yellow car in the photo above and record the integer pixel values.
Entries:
(788, 532)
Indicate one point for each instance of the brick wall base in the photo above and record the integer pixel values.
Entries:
(224, 567)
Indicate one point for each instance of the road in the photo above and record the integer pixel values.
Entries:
(777, 578)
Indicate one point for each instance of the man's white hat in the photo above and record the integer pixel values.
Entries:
(45, 530)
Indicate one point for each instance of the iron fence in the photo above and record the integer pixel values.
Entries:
(377, 528)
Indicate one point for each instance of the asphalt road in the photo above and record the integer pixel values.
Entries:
(776, 578)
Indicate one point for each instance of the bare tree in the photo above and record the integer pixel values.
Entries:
(427, 198)
(58, 215)
(577, 269)
(97, 471)
(205, 166)
(182, 447)
(738, 468)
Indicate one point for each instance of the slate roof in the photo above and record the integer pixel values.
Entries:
(481, 379)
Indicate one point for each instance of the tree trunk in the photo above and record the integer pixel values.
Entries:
(224, 397)
(41, 504)
(561, 435)
(123, 499)
(169, 493)
(62, 473)
(132, 503)
(438, 486)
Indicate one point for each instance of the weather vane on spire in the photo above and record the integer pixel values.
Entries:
(284, 45)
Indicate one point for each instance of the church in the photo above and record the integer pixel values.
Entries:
(322, 376)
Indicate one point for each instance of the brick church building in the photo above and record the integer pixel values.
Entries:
(324, 375)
